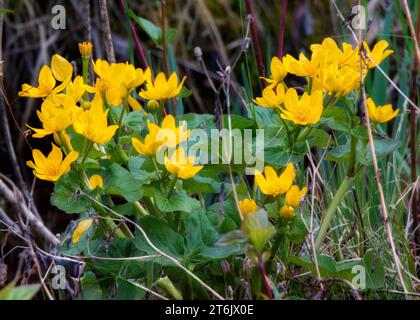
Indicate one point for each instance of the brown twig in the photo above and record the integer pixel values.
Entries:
(38, 225)
(106, 30)
(415, 207)
(282, 27)
(254, 35)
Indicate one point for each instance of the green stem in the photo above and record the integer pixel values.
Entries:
(86, 151)
(325, 223)
(141, 209)
(123, 108)
(85, 73)
(172, 187)
(285, 126)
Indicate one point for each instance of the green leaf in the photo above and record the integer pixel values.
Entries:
(339, 153)
(259, 229)
(161, 235)
(91, 289)
(194, 120)
(316, 138)
(328, 267)
(237, 122)
(142, 169)
(383, 147)
(177, 202)
(65, 196)
(336, 118)
(374, 271)
(27, 292)
(119, 181)
(5, 11)
(128, 291)
(149, 27)
(204, 181)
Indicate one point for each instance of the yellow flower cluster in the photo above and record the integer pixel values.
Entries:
(68, 105)
(272, 184)
(330, 70)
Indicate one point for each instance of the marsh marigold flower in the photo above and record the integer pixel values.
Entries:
(167, 135)
(162, 88)
(76, 88)
(96, 181)
(302, 67)
(272, 97)
(81, 228)
(93, 124)
(277, 71)
(294, 195)
(380, 113)
(303, 111)
(247, 206)
(378, 53)
(134, 77)
(60, 70)
(273, 185)
(108, 85)
(181, 166)
(151, 143)
(52, 167)
(337, 81)
(58, 112)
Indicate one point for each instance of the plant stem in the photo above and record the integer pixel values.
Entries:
(172, 187)
(264, 277)
(325, 223)
(85, 72)
(86, 151)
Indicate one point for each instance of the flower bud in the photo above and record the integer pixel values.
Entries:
(153, 105)
(85, 49)
(287, 212)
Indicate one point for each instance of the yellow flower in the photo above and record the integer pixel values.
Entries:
(161, 88)
(272, 184)
(57, 113)
(303, 111)
(247, 206)
(134, 104)
(302, 67)
(60, 70)
(277, 70)
(294, 196)
(378, 53)
(287, 212)
(180, 165)
(151, 144)
(166, 135)
(338, 81)
(76, 89)
(85, 49)
(380, 113)
(271, 97)
(81, 228)
(52, 167)
(169, 134)
(134, 77)
(58, 140)
(109, 84)
(93, 124)
(96, 181)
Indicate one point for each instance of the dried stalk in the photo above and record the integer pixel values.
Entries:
(106, 30)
